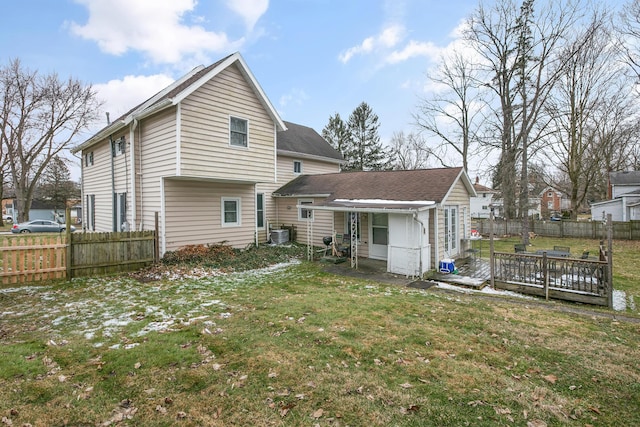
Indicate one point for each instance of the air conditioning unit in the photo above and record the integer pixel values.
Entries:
(279, 236)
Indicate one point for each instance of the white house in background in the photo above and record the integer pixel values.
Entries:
(624, 205)
(481, 203)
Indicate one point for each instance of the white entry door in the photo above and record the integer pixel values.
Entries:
(379, 235)
(451, 231)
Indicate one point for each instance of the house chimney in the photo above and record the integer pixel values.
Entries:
(477, 180)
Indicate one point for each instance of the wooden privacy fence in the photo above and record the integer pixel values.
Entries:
(30, 258)
(629, 230)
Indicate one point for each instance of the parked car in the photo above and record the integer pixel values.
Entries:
(40, 226)
(7, 217)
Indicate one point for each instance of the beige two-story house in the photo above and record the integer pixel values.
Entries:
(202, 156)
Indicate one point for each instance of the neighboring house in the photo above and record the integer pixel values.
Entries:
(481, 204)
(40, 209)
(202, 156)
(624, 190)
(412, 219)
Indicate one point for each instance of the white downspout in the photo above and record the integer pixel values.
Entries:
(132, 156)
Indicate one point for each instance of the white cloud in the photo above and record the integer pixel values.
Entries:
(154, 27)
(249, 10)
(388, 38)
(121, 96)
(413, 49)
(294, 97)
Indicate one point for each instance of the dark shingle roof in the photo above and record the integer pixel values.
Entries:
(410, 185)
(305, 140)
(625, 178)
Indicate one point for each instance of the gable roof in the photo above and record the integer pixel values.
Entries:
(625, 178)
(303, 141)
(179, 90)
(406, 189)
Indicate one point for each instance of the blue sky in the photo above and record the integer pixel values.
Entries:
(313, 58)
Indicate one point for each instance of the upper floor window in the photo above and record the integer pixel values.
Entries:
(238, 132)
(88, 159)
(297, 167)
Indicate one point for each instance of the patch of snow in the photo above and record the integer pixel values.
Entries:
(485, 290)
(619, 300)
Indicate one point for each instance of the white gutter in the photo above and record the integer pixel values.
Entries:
(132, 156)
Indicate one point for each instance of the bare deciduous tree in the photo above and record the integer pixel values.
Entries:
(518, 46)
(40, 116)
(453, 114)
(409, 151)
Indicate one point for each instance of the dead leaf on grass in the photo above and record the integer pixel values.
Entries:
(137, 365)
(409, 409)
(594, 409)
(7, 421)
(550, 378)
(502, 411)
(161, 409)
(406, 385)
(318, 413)
(536, 423)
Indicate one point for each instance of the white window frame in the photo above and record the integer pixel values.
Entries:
(299, 164)
(246, 134)
(260, 212)
(88, 159)
(238, 221)
(301, 211)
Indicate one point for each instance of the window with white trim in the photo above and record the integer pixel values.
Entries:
(88, 159)
(297, 167)
(238, 132)
(230, 211)
(260, 210)
(305, 214)
(119, 146)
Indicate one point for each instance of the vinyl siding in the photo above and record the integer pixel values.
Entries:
(97, 182)
(156, 159)
(458, 197)
(285, 174)
(309, 167)
(287, 214)
(205, 149)
(203, 223)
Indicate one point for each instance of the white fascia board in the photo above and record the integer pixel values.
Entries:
(295, 154)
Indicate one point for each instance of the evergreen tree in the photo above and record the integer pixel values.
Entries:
(337, 134)
(365, 151)
(56, 183)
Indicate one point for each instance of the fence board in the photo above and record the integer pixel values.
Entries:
(28, 258)
(108, 253)
(595, 230)
(38, 257)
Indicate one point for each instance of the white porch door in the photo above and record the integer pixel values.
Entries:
(379, 232)
(451, 222)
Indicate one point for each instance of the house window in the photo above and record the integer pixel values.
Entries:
(230, 212)
(305, 214)
(260, 210)
(549, 194)
(88, 159)
(238, 132)
(297, 167)
(91, 212)
(120, 213)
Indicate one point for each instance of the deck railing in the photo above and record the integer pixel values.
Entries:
(573, 279)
